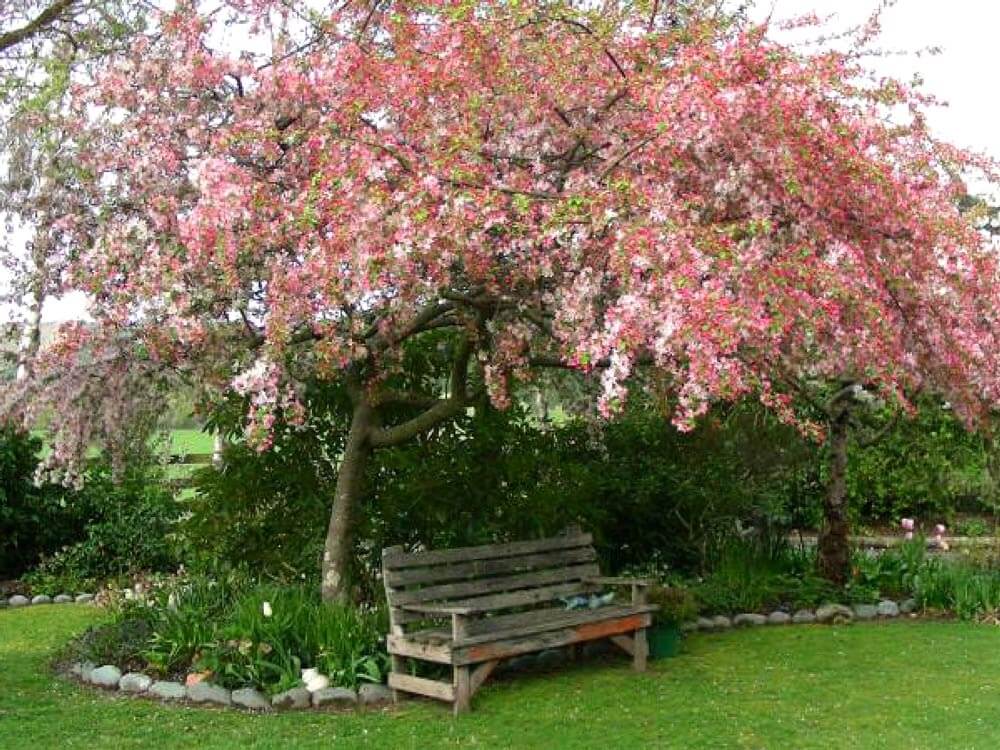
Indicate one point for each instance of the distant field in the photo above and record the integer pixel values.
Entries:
(190, 441)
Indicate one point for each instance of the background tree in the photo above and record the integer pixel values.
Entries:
(537, 184)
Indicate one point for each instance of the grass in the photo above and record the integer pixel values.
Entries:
(904, 685)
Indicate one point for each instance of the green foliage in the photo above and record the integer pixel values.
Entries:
(757, 574)
(676, 604)
(971, 527)
(34, 521)
(221, 624)
(964, 589)
(124, 528)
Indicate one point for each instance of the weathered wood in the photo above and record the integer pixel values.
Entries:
(398, 665)
(473, 654)
(401, 645)
(479, 569)
(641, 652)
(463, 690)
(476, 588)
(393, 559)
(625, 643)
(422, 686)
(479, 675)
(482, 586)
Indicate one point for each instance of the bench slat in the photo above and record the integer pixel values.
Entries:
(587, 631)
(443, 593)
(432, 688)
(393, 559)
(483, 568)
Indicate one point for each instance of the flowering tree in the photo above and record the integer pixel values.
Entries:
(274, 194)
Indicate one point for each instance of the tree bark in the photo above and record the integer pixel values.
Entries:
(834, 544)
(337, 551)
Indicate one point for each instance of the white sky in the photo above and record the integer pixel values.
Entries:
(964, 74)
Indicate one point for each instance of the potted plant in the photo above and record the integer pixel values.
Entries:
(675, 604)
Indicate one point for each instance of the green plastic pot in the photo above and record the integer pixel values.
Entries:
(664, 640)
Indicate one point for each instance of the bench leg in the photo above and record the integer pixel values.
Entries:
(398, 667)
(463, 690)
(640, 650)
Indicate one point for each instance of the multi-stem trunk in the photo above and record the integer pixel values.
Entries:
(834, 544)
(347, 495)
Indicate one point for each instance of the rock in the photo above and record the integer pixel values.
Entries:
(170, 691)
(865, 611)
(18, 601)
(689, 627)
(888, 608)
(41, 599)
(106, 676)
(252, 699)
(336, 697)
(134, 682)
(779, 618)
(62, 599)
(705, 623)
(748, 619)
(907, 606)
(804, 617)
(371, 694)
(84, 598)
(294, 698)
(836, 614)
(82, 669)
(721, 622)
(206, 692)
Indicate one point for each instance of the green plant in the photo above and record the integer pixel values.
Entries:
(675, 604)
(972, 527)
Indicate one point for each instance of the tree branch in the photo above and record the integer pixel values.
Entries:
(37, 25)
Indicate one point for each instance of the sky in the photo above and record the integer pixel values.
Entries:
(963, 74)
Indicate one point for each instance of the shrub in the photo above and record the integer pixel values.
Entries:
(125, 528)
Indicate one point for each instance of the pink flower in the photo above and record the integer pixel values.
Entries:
(939, 530)
(907, 524)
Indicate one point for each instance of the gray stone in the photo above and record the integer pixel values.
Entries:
(721, 622)
(170, 691)
(106, 676)
(134, 682)
(41, 599)
(749, 619)
(371, 694)
(705, 623)
(779, 618)
(18, 601)
(294, 698)
(804, 617)
(206, 692)
(84, 598)
(252, 699)
(689, 626)
(82, 669)
(336, 697)
(907, 606)
(865, 611)
(836, 614)
(62, 599)
(888, 608)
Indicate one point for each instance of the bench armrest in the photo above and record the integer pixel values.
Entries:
(639, 585)
(437, 609)
(612, 581)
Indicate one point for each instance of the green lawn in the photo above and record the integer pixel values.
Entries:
(904, 685)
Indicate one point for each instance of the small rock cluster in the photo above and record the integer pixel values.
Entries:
(22, 601)
(204, 692)
(833, 614)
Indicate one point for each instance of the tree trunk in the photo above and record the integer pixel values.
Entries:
(350, 481)
(834, 545)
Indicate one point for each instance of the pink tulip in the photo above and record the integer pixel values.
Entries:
(907, 524)
(939, 529)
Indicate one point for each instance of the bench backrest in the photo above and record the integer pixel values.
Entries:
(492, 576)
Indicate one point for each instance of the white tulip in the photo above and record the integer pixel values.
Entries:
(267, 609)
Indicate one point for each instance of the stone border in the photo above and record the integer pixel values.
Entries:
(833, 614)
(19, 600)
(139, 685)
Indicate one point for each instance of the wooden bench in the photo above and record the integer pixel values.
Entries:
(474, 606)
